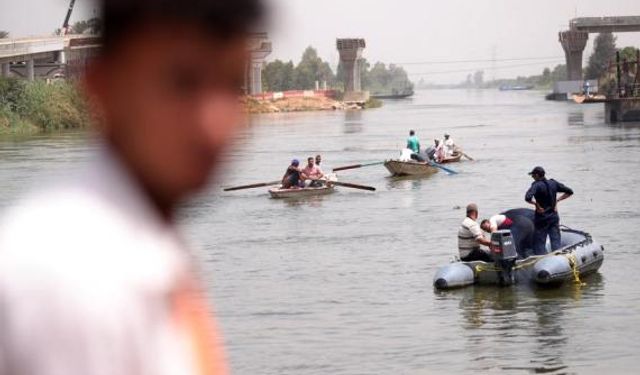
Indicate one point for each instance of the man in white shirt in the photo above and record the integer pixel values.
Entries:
(94, 277)
(449, 145)
(471, 237)
(495, 223)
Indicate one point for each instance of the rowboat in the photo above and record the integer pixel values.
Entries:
(579, 256)
(309, 191)
(454, 158)
(584, 99)
(409, 168)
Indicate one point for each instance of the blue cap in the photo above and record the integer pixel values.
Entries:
(295, 162)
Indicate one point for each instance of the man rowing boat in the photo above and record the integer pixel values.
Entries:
(292, 178)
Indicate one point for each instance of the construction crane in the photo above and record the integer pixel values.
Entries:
(65, 25)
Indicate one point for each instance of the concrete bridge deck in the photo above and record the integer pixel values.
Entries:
(606, 24)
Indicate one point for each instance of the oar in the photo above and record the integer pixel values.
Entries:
(354, 186)
(448, 170)
(262, 184)
(356, 166)
(467, 156)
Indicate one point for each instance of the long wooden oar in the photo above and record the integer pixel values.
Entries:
(353, 186)
(354, 166)
(467, 156)
(448, 170)
(252, 186)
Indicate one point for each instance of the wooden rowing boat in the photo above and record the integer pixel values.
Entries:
(327, 188)
(583, 99)
(409, 168)
(454, 158)
(302, 192)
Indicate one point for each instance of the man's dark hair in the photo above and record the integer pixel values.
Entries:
(483, 222)
(411, 132)
(222, 18)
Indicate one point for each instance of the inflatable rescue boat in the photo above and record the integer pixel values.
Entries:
(579, 256)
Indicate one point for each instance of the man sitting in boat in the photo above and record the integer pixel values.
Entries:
(292, 178)
(520, 222)
(439, 153)
(318, 162)
(413, 144)
(470, 237)
(312, 173)
(449, 146)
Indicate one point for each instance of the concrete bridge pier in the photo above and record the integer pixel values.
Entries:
(31, 70)
(573, 43)
(259, 48)
(255, 76)
(6, 70)
(350, 51)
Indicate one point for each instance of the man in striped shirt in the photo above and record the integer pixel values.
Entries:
(471, 237)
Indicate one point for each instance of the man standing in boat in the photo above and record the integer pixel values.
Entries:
(470, 237)
(543, 195)
(413, 144)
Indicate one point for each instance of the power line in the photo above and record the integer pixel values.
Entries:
(479, 60)
(485, 68)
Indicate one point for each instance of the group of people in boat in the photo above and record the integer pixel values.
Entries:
(439, 151)
(296, 177)
(529, 228)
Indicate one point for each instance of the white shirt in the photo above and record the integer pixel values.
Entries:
(468, 234)
(449, 146)
(93, 282)
(496, 221)
(405, 154)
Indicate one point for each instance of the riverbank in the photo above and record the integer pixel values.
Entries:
(303, 104)
(37, 106)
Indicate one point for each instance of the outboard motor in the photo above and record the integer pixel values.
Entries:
(504, 255)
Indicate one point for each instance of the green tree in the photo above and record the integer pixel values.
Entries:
(310, 70)
(278, 76)
(90, 26)
(604, 51)
(4, 34)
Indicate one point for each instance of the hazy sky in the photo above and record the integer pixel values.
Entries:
(401, 31)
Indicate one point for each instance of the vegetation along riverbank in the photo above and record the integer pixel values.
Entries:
(31, 107)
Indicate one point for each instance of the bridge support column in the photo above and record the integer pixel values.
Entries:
(6, 70)
(255, 76)
(31, 71)
(573, 43)
(350, 51)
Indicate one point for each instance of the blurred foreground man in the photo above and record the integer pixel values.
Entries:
(94, 278)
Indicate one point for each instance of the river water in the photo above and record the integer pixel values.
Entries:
(341, 284)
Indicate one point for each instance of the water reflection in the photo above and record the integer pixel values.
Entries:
(353, 122)
(314, 201)
(575, 119)
(528, 319)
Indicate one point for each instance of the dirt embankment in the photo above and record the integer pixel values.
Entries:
(297, 105)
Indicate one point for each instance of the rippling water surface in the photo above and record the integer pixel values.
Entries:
(341, 284)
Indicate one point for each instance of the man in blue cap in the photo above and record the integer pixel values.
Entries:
(292, 177)
(543, 195)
